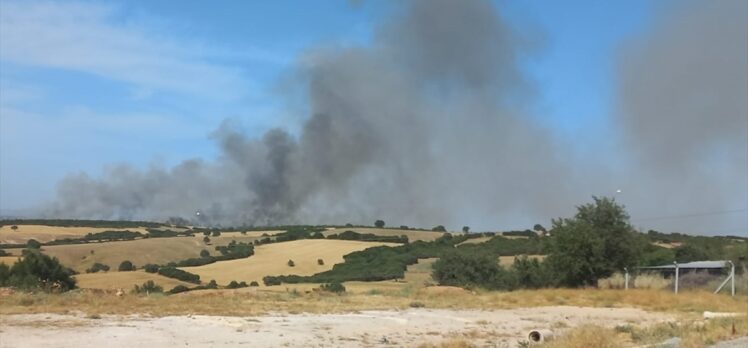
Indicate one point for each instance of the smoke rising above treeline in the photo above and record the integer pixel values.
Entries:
(432, 123)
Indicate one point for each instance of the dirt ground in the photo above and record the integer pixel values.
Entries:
(407, 328)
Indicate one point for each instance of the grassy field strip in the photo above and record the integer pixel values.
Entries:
(272, 259)
(141, 251)
(413, 235)
(49, 233)
(124, 280)
(9, 260)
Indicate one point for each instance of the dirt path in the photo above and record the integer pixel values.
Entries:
(367, 328)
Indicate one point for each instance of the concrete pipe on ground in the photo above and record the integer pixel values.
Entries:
(540, 335)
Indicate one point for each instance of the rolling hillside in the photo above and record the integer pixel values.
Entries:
(272, 259)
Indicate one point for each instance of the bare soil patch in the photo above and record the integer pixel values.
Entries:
(355, 329)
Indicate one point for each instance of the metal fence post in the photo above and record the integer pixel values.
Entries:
(676, 276)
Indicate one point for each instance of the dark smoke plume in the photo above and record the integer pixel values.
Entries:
(430, 125)
(683, 108)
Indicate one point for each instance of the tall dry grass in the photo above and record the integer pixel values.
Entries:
(641, 281)
(587, 336)
(251, 301)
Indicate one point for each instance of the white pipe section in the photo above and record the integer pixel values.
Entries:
(540, 335)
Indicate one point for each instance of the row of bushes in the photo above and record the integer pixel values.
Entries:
(369, 237)
(157, 233)
(105, 236)
(176, 273)
(231, 251)
(80, 223)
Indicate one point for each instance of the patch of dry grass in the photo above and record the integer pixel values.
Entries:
(693, 333)
(124, 280)
(586, 336)
(252, 301)
(451, 343)
(272, 260)
(48, 233)
(641, 281)
(140, 252)
(9, 260)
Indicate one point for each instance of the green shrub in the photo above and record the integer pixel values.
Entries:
(216, 233)
(254, 283)
(335, 287)
(179, 288)
(270, 281)
(235, 285)
(151, 268)
(204, 253)
(148, 287)
(33, 244)
(176, 273)
(439, 228)
(291, 263)
(4, 253)
(98, 267)
(320, 262)
(36, 271)
(126, 266)
(595, 243)
(472, 270)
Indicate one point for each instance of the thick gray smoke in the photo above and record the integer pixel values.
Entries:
(430, 125)
(684, 112)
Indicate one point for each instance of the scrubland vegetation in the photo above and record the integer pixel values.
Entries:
(577, 261)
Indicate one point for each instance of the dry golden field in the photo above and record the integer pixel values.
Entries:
(124, 280)
(8, 260)
(413, 235)
(272, 259)
(49, 233)
(141, 251)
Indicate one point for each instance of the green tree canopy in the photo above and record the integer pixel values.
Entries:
(594, 244)
(37, 271)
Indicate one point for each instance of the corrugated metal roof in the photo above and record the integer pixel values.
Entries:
(695, 264)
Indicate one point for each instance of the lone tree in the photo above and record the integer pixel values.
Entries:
(33, 244)
(466, 229)
(594, 244)
(379, 223)
(291, 263)
(126, 266)
(14, 228)
(206, 239)
(204, 253)
(439, 228)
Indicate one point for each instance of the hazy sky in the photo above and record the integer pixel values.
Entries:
(85, 86)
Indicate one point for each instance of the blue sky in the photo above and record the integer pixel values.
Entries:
(85, 85)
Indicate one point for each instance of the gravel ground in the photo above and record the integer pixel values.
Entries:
(361, 329)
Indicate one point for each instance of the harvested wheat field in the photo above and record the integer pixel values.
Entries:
(140, 252)
(124, 280)
(272, 259)
(413, 235)
(45, 234)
